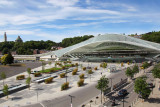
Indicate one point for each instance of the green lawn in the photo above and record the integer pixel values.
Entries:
(50, 70)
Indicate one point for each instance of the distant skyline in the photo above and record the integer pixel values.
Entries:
(58, 19)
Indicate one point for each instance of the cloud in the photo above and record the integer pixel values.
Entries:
(50, 16)
(62, 3)
(82, 24)
(6, 3)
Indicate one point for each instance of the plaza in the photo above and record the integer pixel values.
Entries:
(46, 92)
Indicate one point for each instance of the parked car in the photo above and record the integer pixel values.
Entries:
(33, 72)
(122, 93)
(150, 85)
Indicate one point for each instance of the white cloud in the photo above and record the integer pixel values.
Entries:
(88, 1)
(62, 3)
(6, 3)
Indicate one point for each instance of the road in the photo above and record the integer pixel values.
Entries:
(81, 96)
(131, 94)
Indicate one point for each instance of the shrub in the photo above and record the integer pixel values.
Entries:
(62, 75)
(65, 62)
(20, 77)
(80, 82)
(103, 65)
(63, 67)
(49, 80)
(74, 72)
(128, 63)
(145, 65)
(95, 68)
(90, 71)
(81, 76)
(76, 64)
(72, 65)
(84, 68)
(37, 74)
(121, 64)
(64, 86)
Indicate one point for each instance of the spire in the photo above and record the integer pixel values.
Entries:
(5, 37)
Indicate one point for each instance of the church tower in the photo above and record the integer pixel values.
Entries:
(5, 37)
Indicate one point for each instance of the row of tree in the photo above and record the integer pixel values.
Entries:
(152, 36)
(26, 48)
(141, 86)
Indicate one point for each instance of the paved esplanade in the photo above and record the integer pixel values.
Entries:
(50, 94)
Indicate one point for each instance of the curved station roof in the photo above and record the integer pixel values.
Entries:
(108, 41)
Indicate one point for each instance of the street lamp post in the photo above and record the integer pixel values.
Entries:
(71, 99)
(66, 74)
(88, 63)
(101, 89)
(123, 101)
(111, 83)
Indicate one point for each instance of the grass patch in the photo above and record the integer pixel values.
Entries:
(55, 69)
(68, 65)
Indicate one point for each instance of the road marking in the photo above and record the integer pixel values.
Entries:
(42, 105)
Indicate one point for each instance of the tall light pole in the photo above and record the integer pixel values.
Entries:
(90, 77)
(66, 74)
(71, 99)
(123, 101)
(101, 89)
(111, 83)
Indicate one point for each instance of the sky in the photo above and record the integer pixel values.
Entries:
(58, 19)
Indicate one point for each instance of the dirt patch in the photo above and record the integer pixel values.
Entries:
(18, 68)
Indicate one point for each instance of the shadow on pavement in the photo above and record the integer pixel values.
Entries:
(153, 100)
(16, 98)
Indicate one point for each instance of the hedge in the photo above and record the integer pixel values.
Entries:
(121, 64)
(76, 64)
(64, 86)
(37, 74)
(80, 82)
(63, 67)
(62, 75)
(103, 65)
(49, 80)
(95, 68)
(81, 76)
(90, 71)
(84, 68)
(128, 63)
(20, 77)
(74, 72)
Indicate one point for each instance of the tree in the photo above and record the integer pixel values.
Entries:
(3, 76)
(135, 69)
(5, 90)
(102, 84)
(7, 59)
(5, 51)
(156, 73)
(28, 82)
(29, 71)
(129, 72)
(141, 87)
(10, 58)
(43, 64)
